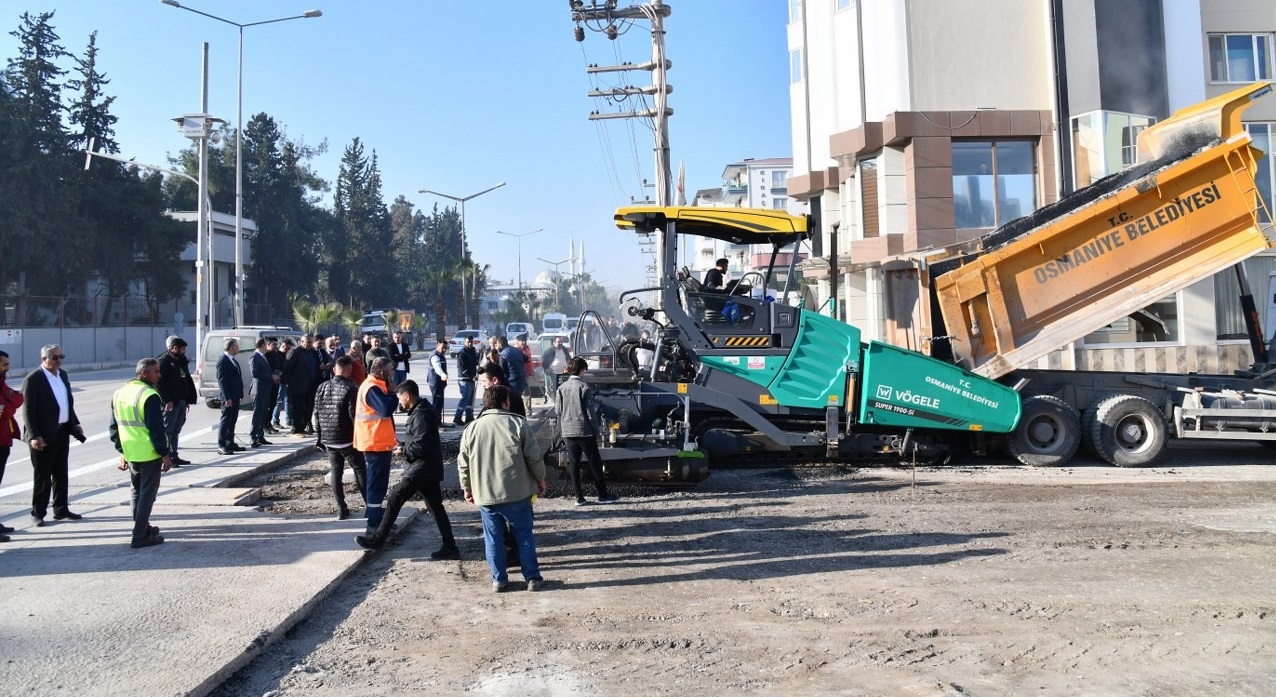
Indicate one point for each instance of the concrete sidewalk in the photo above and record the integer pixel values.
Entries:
(83, 614)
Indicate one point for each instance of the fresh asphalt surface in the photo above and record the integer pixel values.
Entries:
(85, 614)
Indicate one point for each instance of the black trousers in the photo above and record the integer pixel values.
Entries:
(415, 480)
(301, 406)
(337, 460)
(50, 467)
(145, 479)
(585, 449)
(261, 410)
(226, 428)
(436, 398)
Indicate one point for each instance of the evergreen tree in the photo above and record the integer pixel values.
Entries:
(41, 171)
(131, 243)
(359, 251)
(277, 186)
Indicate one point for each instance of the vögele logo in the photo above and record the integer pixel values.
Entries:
(884, 391)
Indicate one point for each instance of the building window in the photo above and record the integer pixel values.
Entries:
(795, 66)
(1156, 323)
(795, 11)
(868, 198)
(994, 182)
(844, 4)
(1264, 136)
(780, 203)
(1240, 57)
(1105, 142)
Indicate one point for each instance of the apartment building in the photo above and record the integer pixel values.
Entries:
(922, 124)
(749, 183)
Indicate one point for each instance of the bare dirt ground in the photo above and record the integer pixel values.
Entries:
(981, 580)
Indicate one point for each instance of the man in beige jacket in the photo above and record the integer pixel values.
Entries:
(501, 468)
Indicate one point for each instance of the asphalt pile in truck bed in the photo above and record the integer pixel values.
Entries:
(1189, 144)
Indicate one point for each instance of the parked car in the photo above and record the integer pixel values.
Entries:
(457, 341)
(211, 352)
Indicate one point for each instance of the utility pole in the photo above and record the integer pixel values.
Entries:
(602, 17)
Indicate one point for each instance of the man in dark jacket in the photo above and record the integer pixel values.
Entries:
(334, 417)
(467, 362)
(423, 474)
(278, 400)
(264, 380)
(437, 380)
(230, 383)
(177, 391)
(401, 354)
(575, 409)
(48, 411)
(301, 373)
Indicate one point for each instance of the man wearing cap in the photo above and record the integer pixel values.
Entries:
(177, 391)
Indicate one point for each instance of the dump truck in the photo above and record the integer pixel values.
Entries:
(741, 376)
(1188, 209)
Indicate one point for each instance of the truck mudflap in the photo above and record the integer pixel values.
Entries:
(1169, 227)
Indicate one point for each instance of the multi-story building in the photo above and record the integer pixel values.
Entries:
(923, 124)
(750, 183)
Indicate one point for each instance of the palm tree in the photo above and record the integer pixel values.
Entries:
(352, 321)
(390, 320)
(439, 278)
(325, 314)
(302, 311)
(478, 273)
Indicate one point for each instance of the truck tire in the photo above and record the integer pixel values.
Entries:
(1128, 431)
(1048, 434)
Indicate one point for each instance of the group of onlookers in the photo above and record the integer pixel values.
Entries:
(350, 408)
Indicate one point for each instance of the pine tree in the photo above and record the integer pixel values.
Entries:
(40, 171)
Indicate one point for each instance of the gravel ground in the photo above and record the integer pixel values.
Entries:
(988, 579)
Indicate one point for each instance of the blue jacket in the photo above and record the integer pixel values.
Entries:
(229, 379)
(513, 360)
(432, 378)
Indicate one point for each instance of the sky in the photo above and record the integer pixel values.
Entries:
(455, 97)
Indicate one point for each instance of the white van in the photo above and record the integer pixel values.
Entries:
(513, 329)
(554, 323)
(214, 347)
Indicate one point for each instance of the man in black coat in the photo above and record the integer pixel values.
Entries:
(230, 382)
(49, 414)
(423, 474)
(177, 391)
(334, 426)
(264, 381)
(301, 374)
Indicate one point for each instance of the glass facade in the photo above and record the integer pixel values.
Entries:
(1264, 137)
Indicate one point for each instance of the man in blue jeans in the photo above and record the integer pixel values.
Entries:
(467, 362)
(501, 468)
(374, 434)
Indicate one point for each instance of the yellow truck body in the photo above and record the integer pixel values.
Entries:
(1145, 239)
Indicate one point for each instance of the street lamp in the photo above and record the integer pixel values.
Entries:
(239, 146)
(557, 281)
(519, 236)
(465, 297)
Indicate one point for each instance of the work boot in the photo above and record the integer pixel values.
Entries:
(343, 513)
(370, 541)
(446, 552)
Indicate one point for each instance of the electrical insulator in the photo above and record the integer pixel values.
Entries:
(580, 33)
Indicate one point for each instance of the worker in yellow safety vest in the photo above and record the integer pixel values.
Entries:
(137, 430)
(374, 434)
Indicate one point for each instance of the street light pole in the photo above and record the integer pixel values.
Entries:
(465, 297)
(239, 146)
(519, 236)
